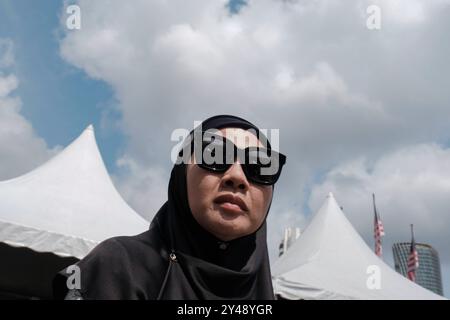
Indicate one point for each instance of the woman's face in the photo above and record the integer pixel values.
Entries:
(208, 191)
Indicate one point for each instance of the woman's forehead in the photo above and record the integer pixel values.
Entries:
(240, 137)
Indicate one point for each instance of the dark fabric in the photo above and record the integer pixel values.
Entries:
(176, 258)
(120, 268)
(73, 294)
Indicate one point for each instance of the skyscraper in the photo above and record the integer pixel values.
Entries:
(428, 274)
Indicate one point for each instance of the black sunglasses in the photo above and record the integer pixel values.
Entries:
(216, 153)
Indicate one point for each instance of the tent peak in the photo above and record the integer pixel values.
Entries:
(331, 200)
(90, 127)
(64, 199)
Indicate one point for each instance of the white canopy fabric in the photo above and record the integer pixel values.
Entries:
(331, 261)
(66, 206)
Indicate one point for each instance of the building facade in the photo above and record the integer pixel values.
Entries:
(428, 274)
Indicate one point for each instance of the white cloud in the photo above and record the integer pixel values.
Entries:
(191, 51)
(310, 61)
(17, 138)
(412, 184)
(7, 85)
(145, 188)
(409, 11)
(6, 53)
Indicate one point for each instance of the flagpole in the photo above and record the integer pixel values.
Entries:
(413, 258)
(374, 207)
(374, 224)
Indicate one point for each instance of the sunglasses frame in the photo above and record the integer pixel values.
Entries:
(237, 153)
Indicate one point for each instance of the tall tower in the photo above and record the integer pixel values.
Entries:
(428, 274)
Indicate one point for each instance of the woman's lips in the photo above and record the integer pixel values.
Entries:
(231, 203)
(234, 208)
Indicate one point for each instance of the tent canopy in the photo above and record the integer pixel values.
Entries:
(331, 261)
(66, 206)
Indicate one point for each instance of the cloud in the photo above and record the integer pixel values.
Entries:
(145, 188)
(412, 185)
(17, 138)
(7, 84)
(410, 12)
(310, 61)
(6, 53)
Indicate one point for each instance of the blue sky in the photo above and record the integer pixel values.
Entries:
(58, 99)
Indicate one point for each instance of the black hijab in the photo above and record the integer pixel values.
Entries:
(176, 258)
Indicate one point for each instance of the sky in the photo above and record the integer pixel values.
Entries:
(360, 111)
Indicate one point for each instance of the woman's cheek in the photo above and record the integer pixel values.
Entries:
(260, 204)
(204, 192)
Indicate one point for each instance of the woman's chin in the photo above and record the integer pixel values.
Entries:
(230, 225)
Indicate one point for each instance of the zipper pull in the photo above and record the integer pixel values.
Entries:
(173, 257)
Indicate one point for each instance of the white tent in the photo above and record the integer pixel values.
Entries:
(67, 205)
(55, 214)
(331, 261)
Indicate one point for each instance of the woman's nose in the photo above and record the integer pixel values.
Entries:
(235, 177)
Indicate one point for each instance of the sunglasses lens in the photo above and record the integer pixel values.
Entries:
(214, 155)
(262, 166)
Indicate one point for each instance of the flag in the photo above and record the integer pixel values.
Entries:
(378, 230)
(413, 259)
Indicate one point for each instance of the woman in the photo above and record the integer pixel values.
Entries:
(208, 241)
